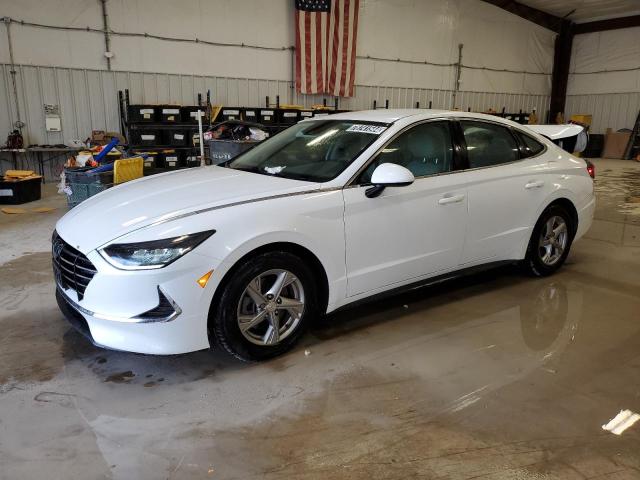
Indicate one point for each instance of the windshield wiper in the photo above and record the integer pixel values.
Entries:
(249, 169)
(301, 176)
(282, 174)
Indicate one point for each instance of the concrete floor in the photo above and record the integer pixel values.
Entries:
(496, 376)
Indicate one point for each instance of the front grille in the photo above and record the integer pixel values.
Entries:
(71, 268)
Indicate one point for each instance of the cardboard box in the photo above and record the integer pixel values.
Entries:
(100, 137)
(97, 136)
(615, 143)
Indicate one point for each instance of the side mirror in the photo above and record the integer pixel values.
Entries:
(388, 175)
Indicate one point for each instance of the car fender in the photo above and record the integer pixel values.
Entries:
(313, 221)
(335, 271)
(557, 194)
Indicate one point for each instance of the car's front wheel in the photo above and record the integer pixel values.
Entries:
(265, 306)
(550, 242)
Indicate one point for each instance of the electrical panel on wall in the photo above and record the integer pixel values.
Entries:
(52, 119)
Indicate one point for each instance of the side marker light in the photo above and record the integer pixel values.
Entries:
(202, 281)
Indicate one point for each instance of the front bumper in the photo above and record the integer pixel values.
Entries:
(150, 338)
(121, 310)
(74, 317)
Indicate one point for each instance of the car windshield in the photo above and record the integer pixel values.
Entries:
(315, 151)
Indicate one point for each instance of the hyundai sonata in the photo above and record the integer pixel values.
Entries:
(327, 213)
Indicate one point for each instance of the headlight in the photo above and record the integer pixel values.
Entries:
(153, 254)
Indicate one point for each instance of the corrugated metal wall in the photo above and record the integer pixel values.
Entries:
(88, 98)
(611, 110)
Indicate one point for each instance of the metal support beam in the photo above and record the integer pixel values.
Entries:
(107, 39)
(610, 24)
(18, 123)
(560, 76)
(458, 75)
(555, 23)
(534, 15)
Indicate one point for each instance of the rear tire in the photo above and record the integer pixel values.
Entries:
(550, 242)
(265, 307)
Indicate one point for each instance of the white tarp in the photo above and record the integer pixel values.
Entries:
(431, 30)
(614, 53)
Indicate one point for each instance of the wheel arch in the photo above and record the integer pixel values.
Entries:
(561, 199)
(568, 205)
(290, 247)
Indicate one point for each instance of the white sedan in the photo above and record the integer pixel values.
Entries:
(327, 213)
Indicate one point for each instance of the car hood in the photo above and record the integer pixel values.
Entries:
(134, 205)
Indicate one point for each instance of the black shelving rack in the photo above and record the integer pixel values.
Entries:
(148, 129)
(160, 129)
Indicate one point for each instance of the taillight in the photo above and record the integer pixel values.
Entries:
(591, 168)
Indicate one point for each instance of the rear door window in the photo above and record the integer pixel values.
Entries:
(489, 144)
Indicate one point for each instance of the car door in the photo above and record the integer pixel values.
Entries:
(505, 191)
(411, 231)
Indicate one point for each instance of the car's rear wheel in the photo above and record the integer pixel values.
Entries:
(265, 306)
(550, 242)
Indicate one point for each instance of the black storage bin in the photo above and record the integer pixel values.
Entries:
(287, 116)
(306, 114)
(169, 113)
(192, 160)
(194, 138)
(175, 138)
(190, 114)
(230, 113)
(172, 159)
(20, 191)
(146, 137)
(152, 158)
(250, 115)
(142, 113)
(267, 116)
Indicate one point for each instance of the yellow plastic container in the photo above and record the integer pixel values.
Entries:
(127, 169)
(582, 118)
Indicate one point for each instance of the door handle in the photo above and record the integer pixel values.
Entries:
(451, 199)
(534, 184)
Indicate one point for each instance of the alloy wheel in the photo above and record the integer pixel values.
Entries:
(271, 307)
(553, 240)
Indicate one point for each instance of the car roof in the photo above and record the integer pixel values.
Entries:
(384, 115)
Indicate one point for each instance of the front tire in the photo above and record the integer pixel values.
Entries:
(550, 242)
(265, 307)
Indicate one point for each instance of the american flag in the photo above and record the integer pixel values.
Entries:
(326, 32)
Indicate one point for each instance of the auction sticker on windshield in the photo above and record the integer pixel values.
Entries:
(373, 129)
